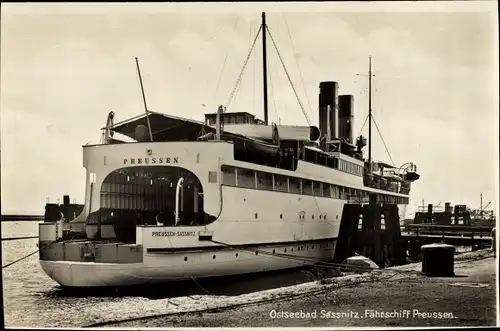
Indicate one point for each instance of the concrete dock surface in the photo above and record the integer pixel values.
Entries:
(402, 297)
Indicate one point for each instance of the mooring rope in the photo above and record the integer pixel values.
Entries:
(25, 257)
(18, 238)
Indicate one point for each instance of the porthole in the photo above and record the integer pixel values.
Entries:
(256, 215)
(281, 216)
(307, 247)
(185, 258)
(236, 254)
(213, 257)
(312, 247)
(256, 252)
(292, 249)
(274, 251)
(312, 216)
(285, 250)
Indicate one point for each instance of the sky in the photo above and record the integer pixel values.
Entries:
(435, 86)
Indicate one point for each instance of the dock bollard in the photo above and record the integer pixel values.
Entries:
(438, 260)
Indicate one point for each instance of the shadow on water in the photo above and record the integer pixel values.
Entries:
(220, 286)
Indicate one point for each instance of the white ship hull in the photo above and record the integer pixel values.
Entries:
(160, 268)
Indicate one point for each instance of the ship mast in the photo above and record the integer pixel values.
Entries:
(144, 99)
(370, 115)
(264, 67)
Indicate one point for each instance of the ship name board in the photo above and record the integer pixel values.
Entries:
(151, 160)
(173, 234)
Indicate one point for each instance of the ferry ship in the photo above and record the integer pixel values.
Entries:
(232, 195)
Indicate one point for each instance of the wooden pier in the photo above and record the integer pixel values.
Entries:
(17, 218)
(373, 230)
(417, 235)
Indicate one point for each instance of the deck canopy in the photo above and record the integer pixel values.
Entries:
(164, 127)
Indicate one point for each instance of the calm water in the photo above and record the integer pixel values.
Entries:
(32, 299)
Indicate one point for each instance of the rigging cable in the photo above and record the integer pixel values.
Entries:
(383, 141)
(252, 28)
(289, 79)
(225, 59)
(238, 81)
(271, 89)
(296, 62)
(363, 126)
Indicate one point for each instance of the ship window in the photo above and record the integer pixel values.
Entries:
(344, 193)
(280, 183)
(246, 178)
(318, 189)
(335, 191)
(307, 187)
(228, 175)
(294, 185)
(265, 181)
(326, 190)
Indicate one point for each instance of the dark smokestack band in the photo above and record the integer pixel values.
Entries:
(328, 96)
(346, 111)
